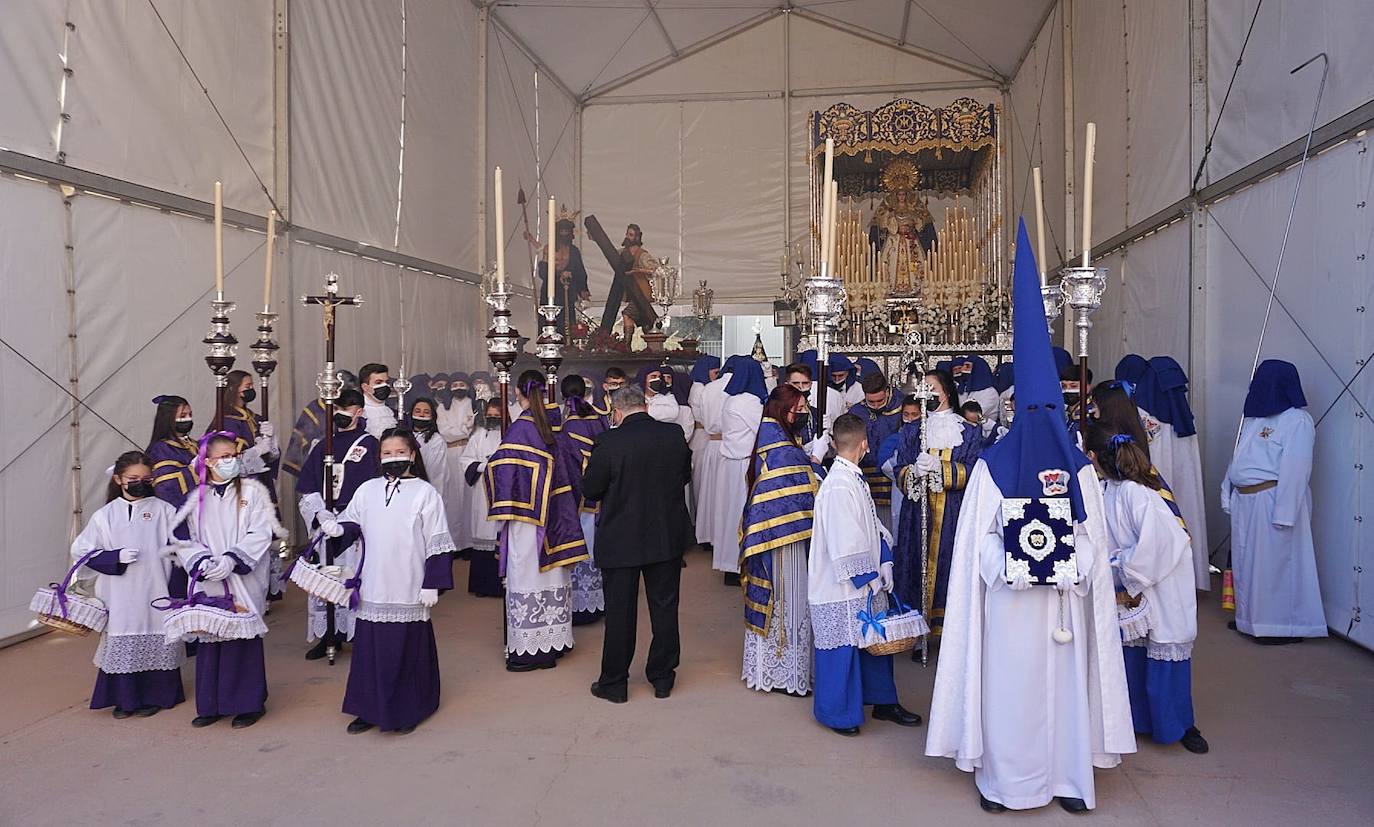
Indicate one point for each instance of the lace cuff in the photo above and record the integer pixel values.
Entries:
(441, 543)
(392, 612)
(853, 565)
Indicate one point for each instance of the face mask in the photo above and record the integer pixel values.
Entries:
(382, 393)
(249, 395)
(460, 393)
(183, 426)
(801, 422)
(138, 489)
(1071, 399)
(226, 468)
(421, 423)
(396, 466)
(658, 386)
(343, 421)
(933, 405)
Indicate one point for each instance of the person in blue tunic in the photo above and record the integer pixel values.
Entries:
(881, 414)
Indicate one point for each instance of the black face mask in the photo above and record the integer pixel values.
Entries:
(802, 423)
(658, 386)
(422, 424)
(460, 393)
(249, 395)
(138, 489)
(396, 466)
(382, 393)
(1071, 399)
(933, 405)
(183, 426)
(342, 422)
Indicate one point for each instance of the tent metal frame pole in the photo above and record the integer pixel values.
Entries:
(793, 94)
(532, 56)
(893, 43)
(1197, 225)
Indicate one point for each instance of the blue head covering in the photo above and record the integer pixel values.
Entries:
(747, 378)
(729, 366)
(1131, 368)
(1037, 441)
(1062, 358)
(946, 365)
(1163, 393)
(866, 367)
(681, 384)
(839, 362)
(1275, 388)
(1004, 377)
(811, 359)
(978, 378)
(701, 369)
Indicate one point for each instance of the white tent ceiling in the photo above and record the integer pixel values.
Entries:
(588, 45)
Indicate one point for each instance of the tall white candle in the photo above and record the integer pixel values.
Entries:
(828, 210)
(500, 236)
(219, 241)
(1088, 194)
(267, 275)
(834, 208)
(1039, 225)
(550, 272)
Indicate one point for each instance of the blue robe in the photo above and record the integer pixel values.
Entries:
(880, 425)
(956, 466)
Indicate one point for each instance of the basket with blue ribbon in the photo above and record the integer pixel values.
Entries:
(890, 629)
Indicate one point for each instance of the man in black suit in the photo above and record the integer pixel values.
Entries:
(638, 471)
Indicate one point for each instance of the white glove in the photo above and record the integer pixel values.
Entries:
(251, 462)
(1020, 583)
(885, 577)
(331, 528)
(989, 425)
(428, 597)
(927, 464)
(268, 446)
(128, 555)
(1063, 584)
(267, 429)
(220, 567)
(324, 515)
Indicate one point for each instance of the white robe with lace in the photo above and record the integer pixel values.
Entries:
(739, 425)
(1179, 459)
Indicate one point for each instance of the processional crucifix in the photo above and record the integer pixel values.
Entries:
(329, 385)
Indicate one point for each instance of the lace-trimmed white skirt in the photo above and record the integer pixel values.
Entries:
(538, 604)
(782, 660)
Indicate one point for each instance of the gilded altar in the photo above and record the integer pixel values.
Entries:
(920, 241)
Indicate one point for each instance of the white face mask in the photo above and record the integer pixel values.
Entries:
(226, 468)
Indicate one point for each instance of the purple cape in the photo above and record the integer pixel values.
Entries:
(534, 483)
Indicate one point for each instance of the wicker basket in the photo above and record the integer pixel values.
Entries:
(891, 630)
(1132, 615)
(328, 583)
(207, 618)
(74, 614)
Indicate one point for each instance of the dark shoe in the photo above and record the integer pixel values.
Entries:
(204, 720)
(607, 695)
(731, 578)
(1072, 805)
(990, 806)
(147, 711)
(405, 730)
(846, 731)
(662, 691)
(358, 725)
(1193, 741)
(1231, 624)
(529, 667)
(319, 651)
(896, 713)
(121, 714)
(1277, 641)
(247, 719)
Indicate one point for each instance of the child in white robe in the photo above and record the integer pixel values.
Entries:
(1151, 558)
(484, 578)
(231, 522)
(433, 448)
(127, 544)
(407, 560)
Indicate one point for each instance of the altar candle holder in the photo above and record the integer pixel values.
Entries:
(548, 348)
(265, 354)
(221, 349)
(502, 344)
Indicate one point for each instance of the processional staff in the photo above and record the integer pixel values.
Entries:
(329, 385)
(919, 486)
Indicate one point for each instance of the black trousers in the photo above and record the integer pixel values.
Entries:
(620, 586)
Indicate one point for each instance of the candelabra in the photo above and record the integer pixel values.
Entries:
(221, 348)
(825, 299)
(402, 386)
(502, 344)
(1053, 297)
(548, 348)
(265, 356)
(919, 486)
(1082, 290)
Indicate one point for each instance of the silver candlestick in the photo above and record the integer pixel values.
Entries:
(1053, 297)
(503, 344)
(825, 300)
(548, 348)
(1082, 290)
(221, 349)
(919, 486)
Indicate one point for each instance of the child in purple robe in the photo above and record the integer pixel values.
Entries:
(581, 424)
(125, 545)
(407, 560)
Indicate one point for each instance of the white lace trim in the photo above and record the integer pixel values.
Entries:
(317, 622)
(853, 565)
(538, 621)
(837, 624)
(318, 581)
(587, 595)
(208, 624)
(946, 430)
(392, 612)
(1172, 652)
(125, 654)
(85, 611)
(440, 544)
(772, 663)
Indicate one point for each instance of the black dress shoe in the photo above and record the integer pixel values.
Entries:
(147, 711)
(530, 667)
(663, 691)
(607, 695)
(405, 730)
(1231, 624)
(846, 731)
(121, 714)
(896, 713)
(320, 650)
(247, 719)
(731, 578)
(1193, 741)
(204, 720)
(990, 806)
(1072, 805)
(1277, 641)
(358, 725)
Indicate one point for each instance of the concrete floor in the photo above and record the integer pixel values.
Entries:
(1292, 733)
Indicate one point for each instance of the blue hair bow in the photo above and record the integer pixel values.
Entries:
(1118, 440)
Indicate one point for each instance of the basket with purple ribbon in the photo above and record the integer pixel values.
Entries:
(207, 618)
(66, 611)
(332, 584)
(891, 629)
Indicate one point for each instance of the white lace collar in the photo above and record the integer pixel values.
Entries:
(946, 429)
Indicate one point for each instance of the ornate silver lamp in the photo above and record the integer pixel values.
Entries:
(221, 349)
(1082, 290)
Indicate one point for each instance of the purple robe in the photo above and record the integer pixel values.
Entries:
(956, 465)
(244, 424)
(309, 430)
(880, 425)
(173, 476)
(355, 473)
(530, 482)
